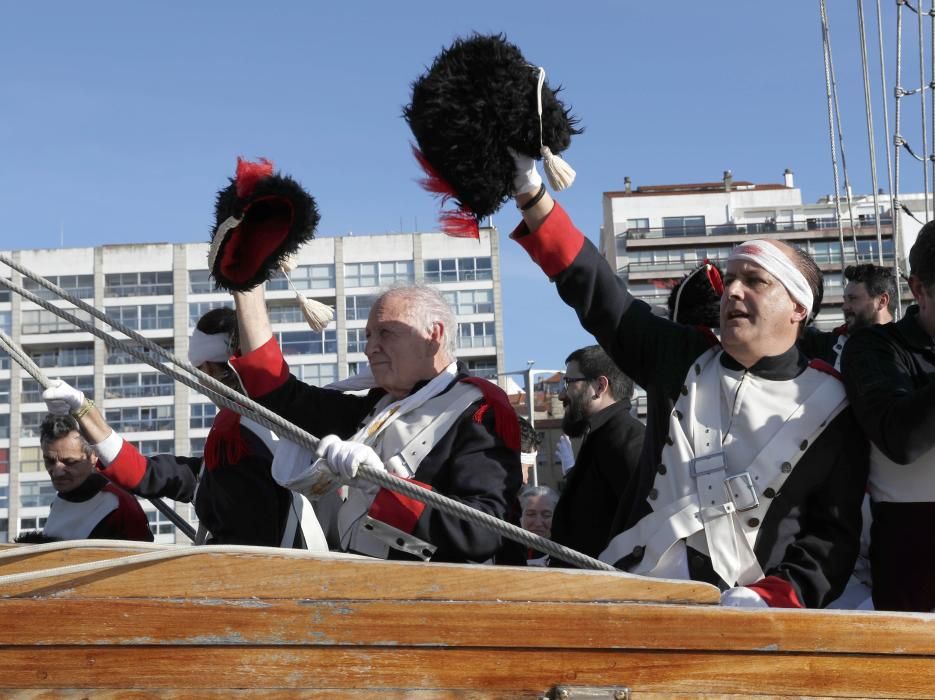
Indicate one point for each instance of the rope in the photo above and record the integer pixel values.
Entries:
(925, 150)
(32, 369)
(283, 428)
(868, 110)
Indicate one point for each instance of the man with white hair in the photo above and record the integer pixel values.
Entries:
(427, 420)
(753, 469)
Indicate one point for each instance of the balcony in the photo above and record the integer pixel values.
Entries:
(863, 226)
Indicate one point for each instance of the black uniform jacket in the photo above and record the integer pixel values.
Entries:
(889, 372)
(810, 535)
(471, 463)
(604, 475)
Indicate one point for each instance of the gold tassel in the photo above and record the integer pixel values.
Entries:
(317, 315)
(560, 174)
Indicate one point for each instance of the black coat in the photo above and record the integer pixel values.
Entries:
(604, 475)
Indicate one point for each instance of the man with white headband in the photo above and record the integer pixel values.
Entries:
(753, 469)
(236, 499)
(426, 420)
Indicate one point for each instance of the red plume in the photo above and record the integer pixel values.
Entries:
(460, 222)
(714, 277)
(248, 174)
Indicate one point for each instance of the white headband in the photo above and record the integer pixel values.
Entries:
(778, 264)
(205, 347)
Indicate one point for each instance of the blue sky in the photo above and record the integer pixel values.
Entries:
(120, 120)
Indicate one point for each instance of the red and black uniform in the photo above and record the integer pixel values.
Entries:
(237, 500)
(124, 521)
(889, 372)
(476, 461)
(824, 345)
(808, 539)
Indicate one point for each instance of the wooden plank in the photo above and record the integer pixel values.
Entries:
(459, 624)
(273, 575)
(492, 670)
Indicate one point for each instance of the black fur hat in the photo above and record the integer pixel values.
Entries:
(696, 299)
(261, 218)
(477, 101)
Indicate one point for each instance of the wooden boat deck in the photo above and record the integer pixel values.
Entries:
(274, 624)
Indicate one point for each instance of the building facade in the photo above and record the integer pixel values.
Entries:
(161, 290)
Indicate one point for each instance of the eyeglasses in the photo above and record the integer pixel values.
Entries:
(563, 385)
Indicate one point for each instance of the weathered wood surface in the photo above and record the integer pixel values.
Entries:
(270, 575)
(520, 672)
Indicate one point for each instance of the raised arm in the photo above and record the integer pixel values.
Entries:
(252, 319)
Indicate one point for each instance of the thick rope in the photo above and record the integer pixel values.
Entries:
(868, 111)
(283, 428)
(32, 369)
(925, 150)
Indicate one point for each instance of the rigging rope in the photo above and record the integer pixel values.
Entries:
(868, 110)
(32, 369)
(925, 150)
(246, 407)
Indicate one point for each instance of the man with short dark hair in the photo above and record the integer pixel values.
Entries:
(87, 505)
(596, 396)
(869, 299)
(889, 371)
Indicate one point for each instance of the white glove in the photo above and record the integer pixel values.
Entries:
(343, 457)
(61, 398)
(526, 177)
(564, 453)
(742, 597)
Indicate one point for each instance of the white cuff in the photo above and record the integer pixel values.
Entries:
(108, 448)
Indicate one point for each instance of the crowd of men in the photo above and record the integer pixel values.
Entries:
(762, 437)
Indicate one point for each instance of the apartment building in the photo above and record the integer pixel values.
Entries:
(161, 290)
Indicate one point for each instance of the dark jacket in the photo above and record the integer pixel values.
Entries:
(889, 372)
(821, 345)
(475, 462)
(810, 534)
(126, 522)
(604, 475)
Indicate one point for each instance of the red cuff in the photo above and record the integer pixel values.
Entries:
(777, 592)
(396, 509)
(262, 370)
(129, 467)
(554, 245)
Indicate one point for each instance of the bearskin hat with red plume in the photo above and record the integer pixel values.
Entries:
(261, 218)
(477, 101)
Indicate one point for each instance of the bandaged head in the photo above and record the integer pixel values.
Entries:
(777, 263)
(208, 347)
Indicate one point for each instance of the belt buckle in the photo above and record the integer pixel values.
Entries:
(742, 492)
(699, 466)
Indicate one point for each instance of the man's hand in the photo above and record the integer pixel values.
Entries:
(742, 597)
(61, 398)
(344, 457)
(526, 177)
(564, 453)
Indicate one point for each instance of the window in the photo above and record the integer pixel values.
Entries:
(4, 425)
(30, 459)
(4, 360)
(159, 524)
(308, 342)
(135, 385)
(30, 422)
(34, 523)
(355, 368)
(356, 339)
(305, 277)
(42, 321)
(138, 284)
(142, 318)
(378, 274)
(200, 282)
(484, 367)
(36, 494)
(458, 270)
(4, 391)
(201, 415)
(470, 301)
(317, 375)
(121, 357)
(286, 313)
(155, 447)
(4, 496)
(64, 357)
(199, 308)
(683, 226)
(196, 447)
(358, 307)
(6, 322)
(4, 460)
(32, 392)
(4, 294)
(139, 419)
(81, 286)
(476, 335)
(637, 224)
(4, 530)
